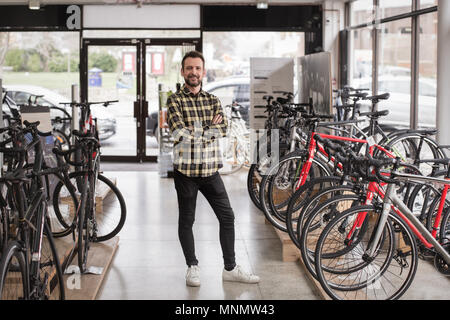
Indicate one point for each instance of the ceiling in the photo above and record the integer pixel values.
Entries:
(49, 2)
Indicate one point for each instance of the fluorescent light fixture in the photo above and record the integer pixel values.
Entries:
(262, 5)
(34, 5)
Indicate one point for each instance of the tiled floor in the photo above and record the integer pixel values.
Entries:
(149, 263)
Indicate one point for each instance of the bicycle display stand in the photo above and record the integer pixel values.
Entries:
(87, 286)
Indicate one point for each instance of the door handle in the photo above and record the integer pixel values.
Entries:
(144, 109)
(137, 109)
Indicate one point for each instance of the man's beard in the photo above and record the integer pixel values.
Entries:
(193, 84)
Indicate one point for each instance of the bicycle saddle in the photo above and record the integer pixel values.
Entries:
(378, 97)
(436, 161)
(375, 114)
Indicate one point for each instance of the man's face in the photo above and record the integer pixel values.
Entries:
(193, 71)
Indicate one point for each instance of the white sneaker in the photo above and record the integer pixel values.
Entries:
(193, 276)
(239, 275)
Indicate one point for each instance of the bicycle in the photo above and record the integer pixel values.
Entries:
(235, 146)
(30, 266)
(381, 240)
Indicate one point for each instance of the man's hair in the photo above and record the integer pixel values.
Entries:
(192, 54)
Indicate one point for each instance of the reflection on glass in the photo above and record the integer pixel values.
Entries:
(389, 8)
(427, 70)
(361, 58)
(394, 70)
(228, 53)
(163, 65)
(45, 59)
(112, 76)
(428, 3)
(40, 64)
(361, 11)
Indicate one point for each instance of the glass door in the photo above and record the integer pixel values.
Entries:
(162, 76)
(138, 73)
(111, 72)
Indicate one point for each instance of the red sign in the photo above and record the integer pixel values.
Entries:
(157, 62)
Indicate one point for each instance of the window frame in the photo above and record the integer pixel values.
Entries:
(414, 14)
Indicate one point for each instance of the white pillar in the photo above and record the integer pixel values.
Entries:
(443, 73)
(333, 22)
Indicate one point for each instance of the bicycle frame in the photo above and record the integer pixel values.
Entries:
(391, 200)
(312, 151)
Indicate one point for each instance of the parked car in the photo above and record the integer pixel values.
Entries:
(398, 104)
(230, 90)
(20, 94)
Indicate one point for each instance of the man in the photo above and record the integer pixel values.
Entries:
(196, 120)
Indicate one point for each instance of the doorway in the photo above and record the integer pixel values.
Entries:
(134, 72)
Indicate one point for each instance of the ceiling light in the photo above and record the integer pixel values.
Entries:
(34, 5)
(262, 5)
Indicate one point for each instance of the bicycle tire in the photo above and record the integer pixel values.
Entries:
(313, 227)
(253, 182)
(407, 143)
(295, 210)
(56, 283)
(13, 265)
(274, 217)
(374, 285)
(115, 198)
(83, 231)
(280, 208)
(444, 230)
(116, 217)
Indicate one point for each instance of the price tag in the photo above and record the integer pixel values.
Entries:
(371, 141)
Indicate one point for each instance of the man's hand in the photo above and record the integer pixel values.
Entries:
(217, 119)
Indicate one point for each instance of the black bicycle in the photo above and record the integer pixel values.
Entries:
(29, 268)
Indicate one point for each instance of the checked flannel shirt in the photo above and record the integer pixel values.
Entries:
(196, 152)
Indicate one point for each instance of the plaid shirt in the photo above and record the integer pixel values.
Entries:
(196, 152)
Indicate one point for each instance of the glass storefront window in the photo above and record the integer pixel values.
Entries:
(427, 3)
(361, 58)
(427, 70)
(389, 8)
(361, 12)
(394, 70)
(48, 60)
(227, 56)
(228, 53)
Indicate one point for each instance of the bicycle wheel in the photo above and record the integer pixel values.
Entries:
(50, 273)
(306, 196)
(279, 185)
(253, 181)
(412, 147)
(111, 218)
(384, 276)
(316, 221)
(84, 227)
(13, 275)
(64, 207)
(432, 213)
(110, 213)
(235, 153)
(444, 230)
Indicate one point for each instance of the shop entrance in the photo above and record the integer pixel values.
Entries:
(134, 72)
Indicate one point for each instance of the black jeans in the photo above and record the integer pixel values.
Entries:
(213, 189)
